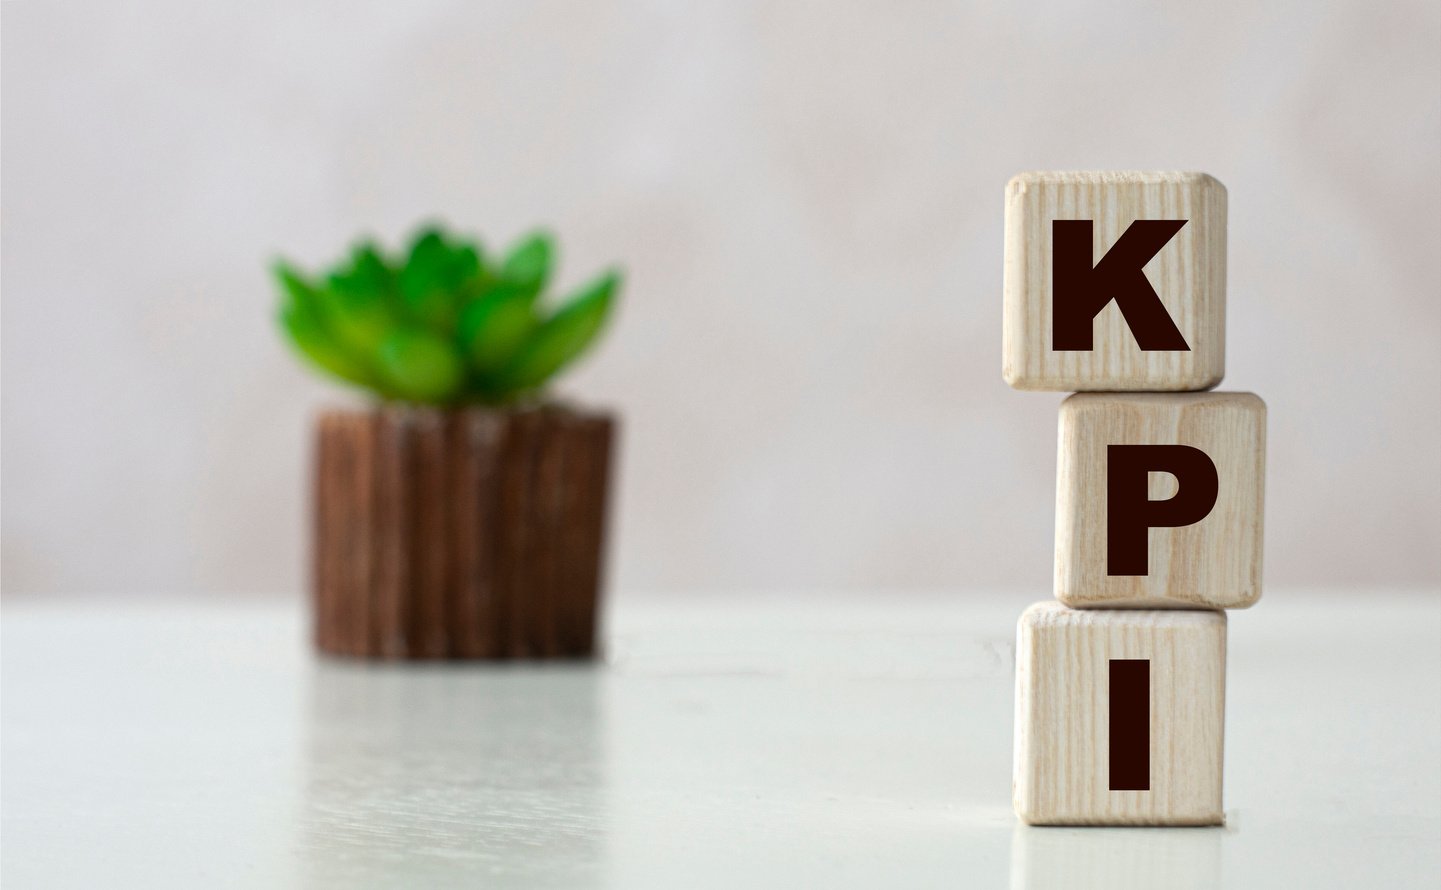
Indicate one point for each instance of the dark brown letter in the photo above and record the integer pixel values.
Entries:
(1130, 699)
(1131, 514)
(1080, 291)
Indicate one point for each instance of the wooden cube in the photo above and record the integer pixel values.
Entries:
(1176, 526)
(1119, 716)
(1075, 321)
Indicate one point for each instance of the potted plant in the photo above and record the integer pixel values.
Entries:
(461, 515)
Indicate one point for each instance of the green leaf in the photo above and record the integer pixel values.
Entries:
(311, 341)
(439, 277)
(528, 263)
(299, 294)
(563, 337)
(424, 282)
(493, 327)
(358, 304)
(369, 276)
(419, 366)
(312, 344)
(304, 318)
(467, 267)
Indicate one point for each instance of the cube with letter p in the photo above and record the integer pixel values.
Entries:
(1159, 500)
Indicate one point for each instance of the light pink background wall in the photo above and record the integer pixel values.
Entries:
(808, 199)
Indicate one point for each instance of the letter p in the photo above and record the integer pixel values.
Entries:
(1131, 514)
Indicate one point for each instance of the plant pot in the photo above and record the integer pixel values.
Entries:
(469, 533)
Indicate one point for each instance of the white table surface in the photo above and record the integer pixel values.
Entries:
(724, 742)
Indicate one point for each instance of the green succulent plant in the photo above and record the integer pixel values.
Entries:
(442, 324)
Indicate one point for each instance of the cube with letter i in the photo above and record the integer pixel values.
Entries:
(1119, 716)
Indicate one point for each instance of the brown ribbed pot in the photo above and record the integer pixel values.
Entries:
(470, 533)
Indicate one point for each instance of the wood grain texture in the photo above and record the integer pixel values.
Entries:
(324, 550)
(1062, 733)
(1188, 274)
(1214, 563)
(474, 456)
(463, 534)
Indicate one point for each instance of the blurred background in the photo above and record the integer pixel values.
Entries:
(808, 200)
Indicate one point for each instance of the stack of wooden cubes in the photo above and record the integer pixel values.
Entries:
(1115, 289)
